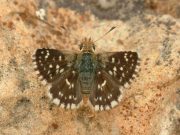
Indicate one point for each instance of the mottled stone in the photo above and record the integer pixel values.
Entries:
(149, 106)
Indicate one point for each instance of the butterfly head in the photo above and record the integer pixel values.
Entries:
(87, 45)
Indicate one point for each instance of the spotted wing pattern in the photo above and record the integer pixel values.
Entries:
(50, 64)
(56, 69)
(122, 66)
(106, 93)
(116, 71)
(65, 91)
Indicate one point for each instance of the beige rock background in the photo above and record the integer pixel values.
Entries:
(151, 106)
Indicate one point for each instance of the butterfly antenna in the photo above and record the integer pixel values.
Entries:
(56, 28)
(38, 18)
(47, 23)
(62, 27)
(112, 28)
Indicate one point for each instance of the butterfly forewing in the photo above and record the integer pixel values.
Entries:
(122, 66)
(50, 64)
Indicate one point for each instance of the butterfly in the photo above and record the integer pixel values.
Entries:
(100, 76)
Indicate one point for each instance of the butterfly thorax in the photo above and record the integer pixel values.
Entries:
(87, 68)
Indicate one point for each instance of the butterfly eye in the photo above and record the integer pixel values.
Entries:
(80, 46)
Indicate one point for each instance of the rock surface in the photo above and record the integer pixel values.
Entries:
(151, 106)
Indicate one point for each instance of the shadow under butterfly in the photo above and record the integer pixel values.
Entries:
(101, 76)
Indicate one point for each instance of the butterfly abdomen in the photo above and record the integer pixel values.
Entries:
(86, 72)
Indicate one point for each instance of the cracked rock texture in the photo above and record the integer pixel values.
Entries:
(151, 106)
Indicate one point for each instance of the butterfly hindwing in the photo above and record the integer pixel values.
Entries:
(50, 64)
(106, 93)
(65, 91)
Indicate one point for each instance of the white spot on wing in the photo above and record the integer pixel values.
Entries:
(49, 86)
(119, 98)
(62, 105)
(50, 66)
(115, 69)
(110, 72)
(62, 70)
(120, 88)
(113, 60)
(46, 56)
(44, 82)
(104, 83)
(48, 71)
(57, 71)
(34, 63)
(35, 67)
(50, 76)
(40, 77)
(37, 72)
(72, 85)
(73, 106)
(114, 103)
(68, 106)
(96, 108)
(107, 107)
(56, 101)
(73, 72)
(57, 66)
(60, 94)
(126, 85)
(99, 86)
(50, 95)
(137, 69)
(131, 80)
(67, 82)
(60, 58)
